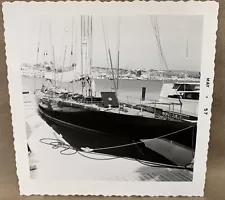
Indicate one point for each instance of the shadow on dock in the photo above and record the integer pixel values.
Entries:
(160, 174)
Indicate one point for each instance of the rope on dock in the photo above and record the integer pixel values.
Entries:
(56, 144)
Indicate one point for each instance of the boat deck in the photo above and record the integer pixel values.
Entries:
(160, 109)
(53, 165)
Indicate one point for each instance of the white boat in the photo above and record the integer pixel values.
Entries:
(184, 97)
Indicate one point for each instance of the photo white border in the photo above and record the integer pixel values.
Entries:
(28, 186)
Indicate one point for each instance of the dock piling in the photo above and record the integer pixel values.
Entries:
(143, 93)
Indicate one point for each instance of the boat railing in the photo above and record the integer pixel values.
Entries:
(159, 109)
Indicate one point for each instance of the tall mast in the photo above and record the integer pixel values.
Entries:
(90, 93)
(91, 43)
(82, 63)
(86, 51)
(81, 24)
(118, 51)
(71, 52)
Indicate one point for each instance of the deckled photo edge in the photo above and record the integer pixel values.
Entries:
(17, 128)
(12, 97)
(209, 79)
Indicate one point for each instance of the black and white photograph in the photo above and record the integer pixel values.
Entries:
(111, 93)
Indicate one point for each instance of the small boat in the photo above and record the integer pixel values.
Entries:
(184, 95)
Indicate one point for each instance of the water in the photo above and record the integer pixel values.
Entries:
(130, 90)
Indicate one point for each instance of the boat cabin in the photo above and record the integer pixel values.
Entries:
(181, 91)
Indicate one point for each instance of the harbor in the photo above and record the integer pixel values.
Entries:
(108, 123)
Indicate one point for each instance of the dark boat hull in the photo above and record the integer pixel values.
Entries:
(126, 126)
(98, 129)
(79, 137)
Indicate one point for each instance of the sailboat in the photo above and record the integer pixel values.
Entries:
(102, 123)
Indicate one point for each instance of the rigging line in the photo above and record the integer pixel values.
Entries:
(109, 54)
(46, 39)
(158, 38)
(158, 41)
(63, 65)
(45, 50)
(134, 143)
(53, 53)
(157, 35)
(154, 30)
(118, 50)
(193, 153)
(44, 57)
(64, 56)
(63, 41)
(37, 58)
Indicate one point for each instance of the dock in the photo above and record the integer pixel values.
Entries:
(53, 165)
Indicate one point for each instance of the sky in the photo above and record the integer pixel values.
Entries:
(138, 45)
